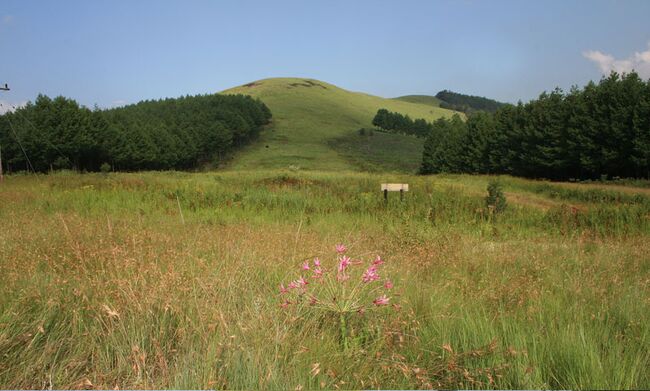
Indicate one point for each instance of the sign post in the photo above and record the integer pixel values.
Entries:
(401, 187)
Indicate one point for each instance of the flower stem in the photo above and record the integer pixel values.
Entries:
(344, 330)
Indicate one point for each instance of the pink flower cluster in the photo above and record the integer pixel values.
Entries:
(342, 273)
(381, 300)
(316, 270)
(371, 273)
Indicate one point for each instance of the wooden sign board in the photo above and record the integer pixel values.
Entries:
(401, 187)
(394, 187)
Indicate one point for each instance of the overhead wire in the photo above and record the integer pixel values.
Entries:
(11, 126)
(16, 111)
(38, 130)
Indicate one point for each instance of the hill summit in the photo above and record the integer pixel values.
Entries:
(311, 117)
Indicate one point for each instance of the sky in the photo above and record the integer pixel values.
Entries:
(111, 53)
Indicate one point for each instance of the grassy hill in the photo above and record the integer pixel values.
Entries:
(420, 99)
(315, 127)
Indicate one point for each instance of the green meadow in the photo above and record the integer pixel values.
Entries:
(170, 280)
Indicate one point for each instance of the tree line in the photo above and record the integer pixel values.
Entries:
(391, 122)
(600, 130)
(179, 133)
(467, 103)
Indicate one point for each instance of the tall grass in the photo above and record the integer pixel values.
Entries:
(105, 285)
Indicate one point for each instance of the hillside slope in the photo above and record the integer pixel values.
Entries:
(422, 99)
(310, 115)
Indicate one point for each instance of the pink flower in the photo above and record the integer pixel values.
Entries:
(340, 248)
(342, 277)
(285, 304)
(378, 261)
(305, 266)
(283, 289)
(370, 274)
(316, 262)
(301, 284)
(317, 272)
(344, 263)
(381, 300)
(388, 284)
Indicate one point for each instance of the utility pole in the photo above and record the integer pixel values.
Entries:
(3, 88)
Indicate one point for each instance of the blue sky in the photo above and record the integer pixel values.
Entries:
(115, 52)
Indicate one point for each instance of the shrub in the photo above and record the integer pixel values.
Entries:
(495, 200)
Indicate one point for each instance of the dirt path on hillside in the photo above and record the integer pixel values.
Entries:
(619, 188)
(538, 201)
(535, 201)
(531, 200)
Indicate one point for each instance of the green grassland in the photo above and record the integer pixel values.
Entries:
(376, 151)
(420, 99)
(170, 280)
(308, 114)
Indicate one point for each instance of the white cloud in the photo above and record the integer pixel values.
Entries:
(604, 61)
(7, 107)
(639, 62)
